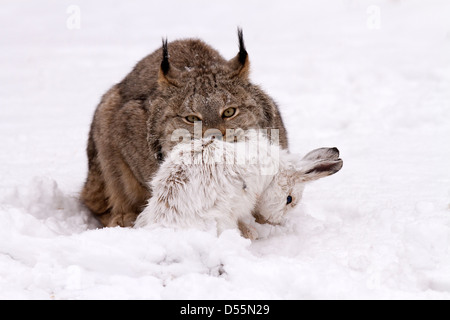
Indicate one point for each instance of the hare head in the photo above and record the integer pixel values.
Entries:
(286, 189)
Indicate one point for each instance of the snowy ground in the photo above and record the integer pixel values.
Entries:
(370, 77)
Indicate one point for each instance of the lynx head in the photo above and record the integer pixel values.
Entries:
(197, 85)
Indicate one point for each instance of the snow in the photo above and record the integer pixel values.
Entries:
(369, 77)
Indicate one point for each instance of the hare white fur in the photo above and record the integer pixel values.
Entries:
(211, 181)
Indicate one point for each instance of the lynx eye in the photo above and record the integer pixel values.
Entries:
(289, 200)
(192, 119)
(228, 113)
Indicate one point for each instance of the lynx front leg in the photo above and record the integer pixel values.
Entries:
(126, 196)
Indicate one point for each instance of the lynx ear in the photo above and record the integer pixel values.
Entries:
(168, 74)
(240, 65)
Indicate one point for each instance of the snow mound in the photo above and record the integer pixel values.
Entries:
(50, 249)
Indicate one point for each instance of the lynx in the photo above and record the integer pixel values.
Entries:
(183, 83)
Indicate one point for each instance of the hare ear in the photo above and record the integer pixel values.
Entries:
(319, 163)
(322, 154)
(168, 74)
(240, 65)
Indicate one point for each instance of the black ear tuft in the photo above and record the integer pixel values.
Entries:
(165, 66)
(240, 64)
(242, 51)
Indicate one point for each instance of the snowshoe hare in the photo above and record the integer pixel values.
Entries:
(211, 181)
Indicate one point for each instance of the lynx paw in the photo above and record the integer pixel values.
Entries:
(122, 220)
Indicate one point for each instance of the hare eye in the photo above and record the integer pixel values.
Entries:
(192, 119)
(289, 200)
(228, 113)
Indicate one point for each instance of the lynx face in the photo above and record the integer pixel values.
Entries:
(200, 86)
(218, 111)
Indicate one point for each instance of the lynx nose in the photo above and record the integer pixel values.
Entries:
(214, 133)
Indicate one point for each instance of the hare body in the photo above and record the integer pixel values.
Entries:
(215, 182)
